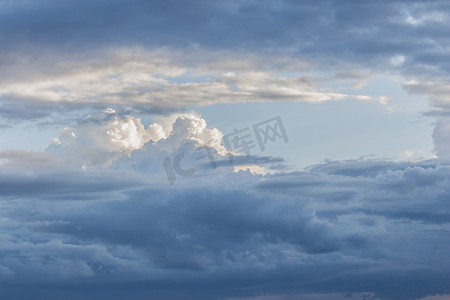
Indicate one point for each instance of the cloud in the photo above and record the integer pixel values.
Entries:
(149, 80)
(100, 139)
(293, 232)
(157, 57)
(329, 33)
(95, 216)
(441, 137)
(438, 94)
(25, 159)
(437, 91)
(357, 226)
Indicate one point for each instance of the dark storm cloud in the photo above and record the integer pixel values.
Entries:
(352, 32)
(302, 232)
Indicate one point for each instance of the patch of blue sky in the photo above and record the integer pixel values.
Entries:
(190, 76)
(345, 129)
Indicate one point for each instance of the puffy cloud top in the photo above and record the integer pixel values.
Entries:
(102, 138)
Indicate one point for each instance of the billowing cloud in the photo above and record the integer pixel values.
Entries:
(356, 227)
(101, 139)
(118, 209)
(105, 137)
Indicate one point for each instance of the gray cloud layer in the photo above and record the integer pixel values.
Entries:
(339, 227)
(65, 44)
(330, 229)
(354, 31)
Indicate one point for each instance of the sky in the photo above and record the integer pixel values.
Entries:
(229, 150)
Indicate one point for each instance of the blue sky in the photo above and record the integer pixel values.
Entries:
(116, 180)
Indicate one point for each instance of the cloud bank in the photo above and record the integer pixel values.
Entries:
(96, 214)
(117, 229)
